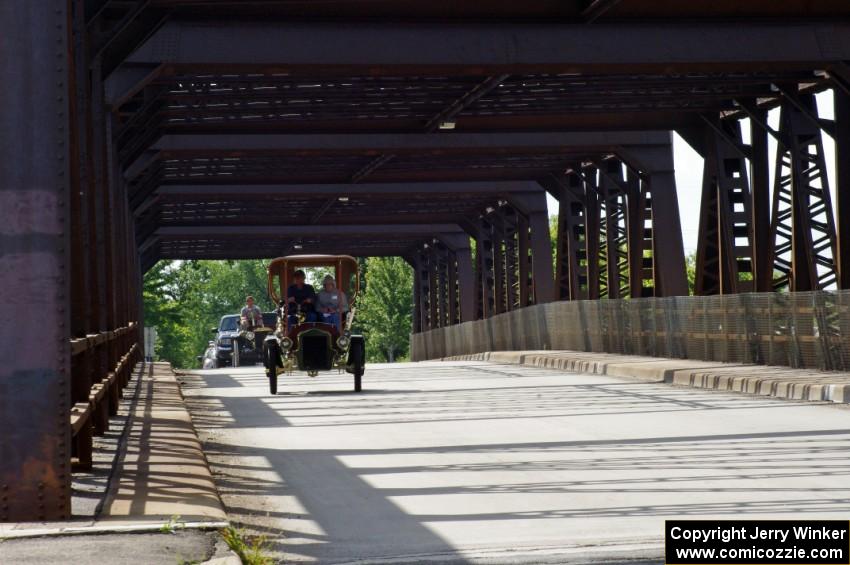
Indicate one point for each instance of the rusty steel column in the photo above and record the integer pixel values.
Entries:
(543, 276)
(569, 250)
(760, 183)
(486, 261)
(725, 252)
(466, 281)
(441, 262)
(668, 253)
(592, 225)
(433, 289)
(451, 289)
(803, 226)
(636, 232)
(842, 184)
(526, 282)
(34, 270)
(416, 319)
(424, 290)
(498, 264)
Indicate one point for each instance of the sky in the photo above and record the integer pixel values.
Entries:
(688, 165)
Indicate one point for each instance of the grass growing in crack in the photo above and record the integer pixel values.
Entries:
(172, 525)
(250, 551)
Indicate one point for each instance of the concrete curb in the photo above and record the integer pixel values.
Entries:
(163, 474)
(98, 528)
(764, 380)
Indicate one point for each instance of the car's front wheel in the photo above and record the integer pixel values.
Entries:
(357, 361)
(271, 360)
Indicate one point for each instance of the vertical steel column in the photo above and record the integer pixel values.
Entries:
(441, 263)
(760, 182)
(534, 208)
(725, 253)
(433, 289)
(570, 253)
(34, 271)
(81, 252)
(509, 229)
(417, 295)
(498, 263)
(486, 265)
(842, 184)
(425, 290)
(668, 252)
(525, 262)
(616, 228)
(592, 232)
(452, 288)
(466, 280)
(644, 284)
(803, 227)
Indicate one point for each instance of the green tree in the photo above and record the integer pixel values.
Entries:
(184, 299)
(691, 269)
(385, 308)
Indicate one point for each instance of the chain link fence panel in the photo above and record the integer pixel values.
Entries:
(800, 330)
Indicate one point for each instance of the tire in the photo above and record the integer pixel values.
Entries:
(271, 355)
(357, 361)
(272, 383)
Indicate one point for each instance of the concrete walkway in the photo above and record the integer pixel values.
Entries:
(478, 462)
(161, 479)
(781, 382)
(163, 474)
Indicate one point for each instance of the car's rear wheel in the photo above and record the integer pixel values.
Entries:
(357, 361)
(271, 360)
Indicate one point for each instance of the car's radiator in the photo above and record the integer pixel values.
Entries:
(316, 353)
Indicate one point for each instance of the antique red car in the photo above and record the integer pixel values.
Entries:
(313, 346)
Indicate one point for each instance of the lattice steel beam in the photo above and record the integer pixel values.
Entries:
(495, 46)
(803, 227)
(725, 254)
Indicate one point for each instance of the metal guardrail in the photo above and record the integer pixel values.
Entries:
(802, 329)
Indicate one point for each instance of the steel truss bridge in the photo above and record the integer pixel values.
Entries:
(134, 131)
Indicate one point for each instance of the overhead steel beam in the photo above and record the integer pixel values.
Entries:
(404, 141)
(597, 8)
(390, 188)
(465, 101)
(125, 82)
(292, 231)
(495, 47)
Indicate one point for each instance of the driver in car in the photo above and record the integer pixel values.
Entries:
(251, 316)
(300, 294)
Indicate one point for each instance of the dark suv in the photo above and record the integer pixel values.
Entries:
(227, 333)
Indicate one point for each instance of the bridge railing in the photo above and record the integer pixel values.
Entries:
(102, 365)
(802, 329)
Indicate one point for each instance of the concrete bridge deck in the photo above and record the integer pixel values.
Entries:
(475, 462)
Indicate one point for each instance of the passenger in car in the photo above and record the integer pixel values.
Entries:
(300, 294)
(331, 303)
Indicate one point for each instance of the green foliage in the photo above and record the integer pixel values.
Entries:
(691, 268)
(553, 238)
(184, 299)
(252, 551)
(384, 308)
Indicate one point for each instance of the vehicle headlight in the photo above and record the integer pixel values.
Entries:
(343, 342)
(285, 343)
(224, 341)
(249, 336)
